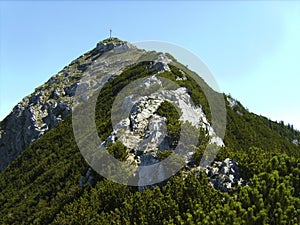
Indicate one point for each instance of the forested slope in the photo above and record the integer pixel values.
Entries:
(42, 185)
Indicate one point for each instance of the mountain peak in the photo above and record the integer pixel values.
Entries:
(152, 113)
(110, 43)
(112, 40)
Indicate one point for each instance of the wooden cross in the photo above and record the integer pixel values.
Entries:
(110, 33)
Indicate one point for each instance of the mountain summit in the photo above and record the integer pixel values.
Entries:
(51, 102)
(173, 162)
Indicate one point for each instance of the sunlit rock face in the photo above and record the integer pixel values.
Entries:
(143, 130)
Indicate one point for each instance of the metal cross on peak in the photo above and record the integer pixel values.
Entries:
(110, 33)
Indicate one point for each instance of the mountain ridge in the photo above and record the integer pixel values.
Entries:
(254, 178)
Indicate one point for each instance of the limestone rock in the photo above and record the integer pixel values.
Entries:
(225, 175)
(161, 63)
(295, 142)
(143, 131)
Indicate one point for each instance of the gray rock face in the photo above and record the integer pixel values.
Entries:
(48, 104)
(295, 142)
(225, 175)
(31, 118)
(232, 102)
(143, 131)
(89, 178)
(161, 63)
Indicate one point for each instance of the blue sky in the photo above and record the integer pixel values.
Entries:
(252, 48)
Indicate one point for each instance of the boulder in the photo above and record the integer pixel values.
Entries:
(224, 176)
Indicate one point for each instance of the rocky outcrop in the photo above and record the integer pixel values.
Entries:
(235, 105)
(31, 118)
(232, 102)
(295, 142)
(144, 132)
(225, 176)
(161, 63)
(88, 178)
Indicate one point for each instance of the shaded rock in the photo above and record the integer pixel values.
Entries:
(225, 176)
(88, 178)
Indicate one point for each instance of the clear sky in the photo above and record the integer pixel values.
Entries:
(252, 48)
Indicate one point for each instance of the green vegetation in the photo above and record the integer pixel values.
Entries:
(117, 150)
(164, 154)
(109, 92)
(245, 129)
(42, 185)
(196, 93)
(168, 110)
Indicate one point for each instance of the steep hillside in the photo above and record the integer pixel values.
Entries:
(51, 183)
